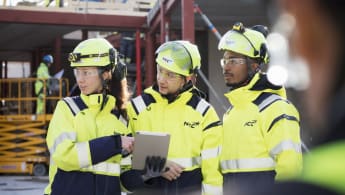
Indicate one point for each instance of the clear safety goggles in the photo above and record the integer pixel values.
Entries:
(167, 74)
(85, 73)
(232, 61)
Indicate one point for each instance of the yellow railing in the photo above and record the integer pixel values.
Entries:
(18, 98)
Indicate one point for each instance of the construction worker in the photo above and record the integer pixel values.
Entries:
(175, 106)
(261, 127)
(58, 3)
(42, 74)
(317, 35)
(85, 133)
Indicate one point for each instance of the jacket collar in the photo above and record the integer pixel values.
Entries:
(95, 101)
(255, 87)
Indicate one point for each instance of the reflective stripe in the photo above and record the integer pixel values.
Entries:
(62, 137)
(139, 103)
(51, 161)
(128, 38)
(210, 153)
(123, 120)
(210, 189)
(272, 98)
(202, 106)
(126, 160)
(83, 153)
(73, 106)
(187, 162)
(285, 145)
(248, 163)
(283, 116)
(104, 167)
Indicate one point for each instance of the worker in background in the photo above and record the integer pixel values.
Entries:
(85, 134)
(261, 127)
(317, 35)
(175, 106)
(58, 3)
(42, 75)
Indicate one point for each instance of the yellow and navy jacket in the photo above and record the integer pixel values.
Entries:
(85, 147)
(194, 128)
(261, 131)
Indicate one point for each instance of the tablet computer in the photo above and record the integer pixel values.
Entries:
(149, 144)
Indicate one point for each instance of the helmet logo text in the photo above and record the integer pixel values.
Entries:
(168, 61)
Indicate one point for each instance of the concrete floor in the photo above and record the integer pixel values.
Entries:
(22, 185)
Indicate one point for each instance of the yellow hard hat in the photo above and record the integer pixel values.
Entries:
(181, 57)
(93, 52)
(245, 41)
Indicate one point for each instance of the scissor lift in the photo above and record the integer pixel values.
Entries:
(22, 132)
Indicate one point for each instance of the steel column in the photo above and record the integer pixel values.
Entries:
(149, 62)
(188, 20)
(138, 61)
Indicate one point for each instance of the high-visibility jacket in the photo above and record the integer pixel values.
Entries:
(261, 131)
(195, 134)
(324, 167)
(42, 73)
(85, 148)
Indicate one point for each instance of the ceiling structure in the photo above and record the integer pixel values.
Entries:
(24, 29)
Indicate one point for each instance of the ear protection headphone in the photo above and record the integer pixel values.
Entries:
(239, 28)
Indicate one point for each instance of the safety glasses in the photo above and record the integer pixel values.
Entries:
(85, 73)
(161, 73)
(232, 61)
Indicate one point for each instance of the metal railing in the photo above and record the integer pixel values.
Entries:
(18, 98)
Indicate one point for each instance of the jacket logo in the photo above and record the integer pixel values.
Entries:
(191, 124)
(250, 123)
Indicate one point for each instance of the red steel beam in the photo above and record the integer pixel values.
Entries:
(162, 21)
(150, 63)
(158, 21)
(168, 7)
(138, 61)
(188, 28)
(57, 54)
(65, 18)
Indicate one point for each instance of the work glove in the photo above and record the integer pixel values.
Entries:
(153, 167)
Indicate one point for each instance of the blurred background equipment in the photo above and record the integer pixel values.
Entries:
(22, 132)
